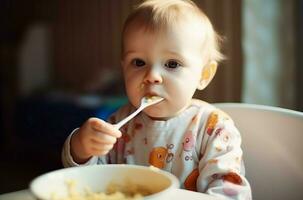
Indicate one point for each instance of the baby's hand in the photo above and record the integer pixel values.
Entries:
(95, 137)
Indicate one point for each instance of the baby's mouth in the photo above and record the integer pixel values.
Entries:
(151, 95)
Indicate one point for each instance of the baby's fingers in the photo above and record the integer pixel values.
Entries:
(102, 138)
(101, 149)
(105, 147)
(104, 127)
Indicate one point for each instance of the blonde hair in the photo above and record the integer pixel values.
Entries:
(161, 15)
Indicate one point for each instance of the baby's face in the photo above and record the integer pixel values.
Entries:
(168, 65)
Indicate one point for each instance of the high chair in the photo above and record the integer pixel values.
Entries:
(272, 142)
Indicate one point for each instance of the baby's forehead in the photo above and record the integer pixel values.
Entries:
(173, 36)
(190, 30)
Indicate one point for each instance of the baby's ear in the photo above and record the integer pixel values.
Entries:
(208, 74)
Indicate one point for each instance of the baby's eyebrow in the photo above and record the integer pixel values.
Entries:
(127, 53)
(176, 54)
(173, 53)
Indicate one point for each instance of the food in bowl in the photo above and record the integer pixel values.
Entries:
(113, 192)
(98, 178)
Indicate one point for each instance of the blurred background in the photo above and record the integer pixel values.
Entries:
(60, 64)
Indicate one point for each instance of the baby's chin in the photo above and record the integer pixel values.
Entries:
(163, 113)
(155, 114)
(158, 118)
(159, 115)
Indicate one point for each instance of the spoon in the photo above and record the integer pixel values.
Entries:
(145, 102)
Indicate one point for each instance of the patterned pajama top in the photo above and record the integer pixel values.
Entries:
(201, 146)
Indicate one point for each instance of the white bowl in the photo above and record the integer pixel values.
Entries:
(98, 177)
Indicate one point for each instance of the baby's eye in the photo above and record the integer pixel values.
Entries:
(138, 62)
(172, 64)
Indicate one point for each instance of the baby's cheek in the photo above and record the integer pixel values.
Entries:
(134, 98)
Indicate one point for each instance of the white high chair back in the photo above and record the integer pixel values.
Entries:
(272, 142)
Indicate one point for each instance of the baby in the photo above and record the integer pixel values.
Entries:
(169, 49)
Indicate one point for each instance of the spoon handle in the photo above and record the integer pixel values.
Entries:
(125, 120)
(144, 103)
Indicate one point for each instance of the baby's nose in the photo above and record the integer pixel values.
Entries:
(153, 76)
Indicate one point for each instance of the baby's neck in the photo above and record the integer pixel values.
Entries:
(169, 117)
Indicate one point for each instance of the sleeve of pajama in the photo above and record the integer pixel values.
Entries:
(221, 167)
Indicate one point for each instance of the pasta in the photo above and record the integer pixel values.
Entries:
(128, 191)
